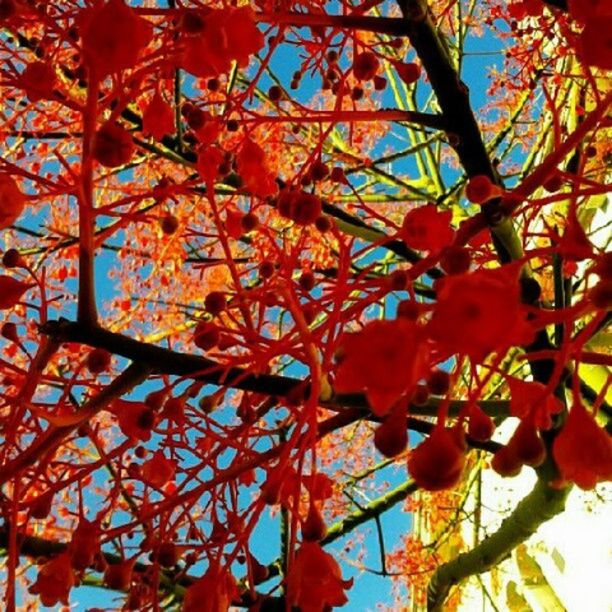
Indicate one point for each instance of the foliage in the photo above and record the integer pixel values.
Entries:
(248, 248)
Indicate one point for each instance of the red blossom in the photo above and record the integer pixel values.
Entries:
(385, 360)
(252, 167)
(426, 228)
(479, 312)
(227, 34)
(158, 470)
(437, 463)
(113, 145)
(38, 81)
(11, 291)
(54, 581)
(114, 36)
(315, 581)
(85, 544)
(213, 592)
(583, 450)
(136, 419)
(158, 117)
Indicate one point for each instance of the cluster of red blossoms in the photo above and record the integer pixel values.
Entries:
(476, 314)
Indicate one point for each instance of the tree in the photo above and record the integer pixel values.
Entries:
(248, 249)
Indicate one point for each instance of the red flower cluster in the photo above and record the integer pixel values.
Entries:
(385, 359)
(315, 581)
(113, 37)
(212, 39)
(479, 312)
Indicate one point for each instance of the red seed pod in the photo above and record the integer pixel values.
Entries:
(275, 93)
(266, 269)
(249, 222)
(380, 83)
(319, 171)
(365, 66)
(505, 463)
(41, 506)
(98, 360)
(206, 335)
(307, 281)
(409, 72)
(391, 436)
(526, 444)
(438, 382)
(113, 145)
(174, 410)
(85, 544)
(420, 396)
(155, 400)
(259, 572)
(9, 331)
(215, 302)
(480, 425)
(313, 528)
(12, 257)
(169, 224)
(323, 223)
(437, 463)
(337, 175)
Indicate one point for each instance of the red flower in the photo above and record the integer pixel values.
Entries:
(136, 419)
(427, 229)
(85, 544)
(11, 291)
(251, 163)
(315, 581)
(54, 581)
(385, 359)
(480, 425)
(301, 207)
(12, 201)
(113, 37)
(113, 145)
(118, 576)
(227, 34)
(479, 312)
(409, 72)
(365, 66)
(583, 450)
(158, 117)
(437, 463)
(213, 592)
(38, 81)
(158, 470)
(391, 436)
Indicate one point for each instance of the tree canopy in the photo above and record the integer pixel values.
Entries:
(271, 270)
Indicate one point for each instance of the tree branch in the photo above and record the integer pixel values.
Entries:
(539, 506)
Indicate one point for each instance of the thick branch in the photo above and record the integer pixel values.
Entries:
(542, 504)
